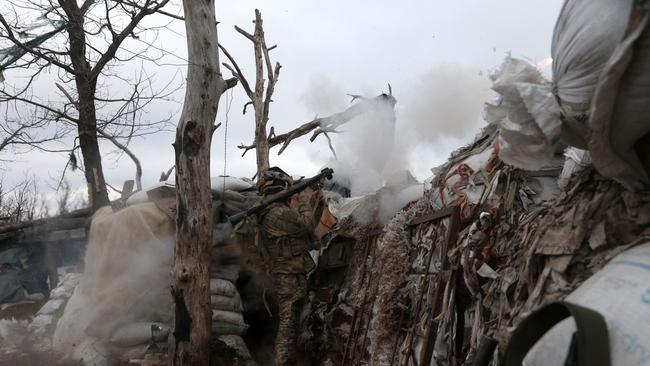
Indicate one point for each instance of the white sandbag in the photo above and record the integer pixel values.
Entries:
(585, 36)
(621, 109)
(620, 292)
(133, 334)
(40, 324)
(230, 317)
(51, 306)
(216, 184)
(226, 303)
(141, 196)
(575, 161)
(67, 284)
(229, 183)
(222, 287)
(526, 115)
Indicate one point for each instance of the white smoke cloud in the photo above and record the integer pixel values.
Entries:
(443, 105)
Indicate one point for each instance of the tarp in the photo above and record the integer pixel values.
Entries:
(126, 278)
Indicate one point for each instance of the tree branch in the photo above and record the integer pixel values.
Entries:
(236, 72)
(328, 124)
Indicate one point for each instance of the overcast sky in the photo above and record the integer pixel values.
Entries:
(435, 54)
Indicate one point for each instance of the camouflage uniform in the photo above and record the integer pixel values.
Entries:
(287, 234)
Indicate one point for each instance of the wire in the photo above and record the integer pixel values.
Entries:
(229, 100)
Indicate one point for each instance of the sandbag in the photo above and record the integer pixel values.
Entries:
(230, 317)
(134, 334)
(229, 272)
(141, 195)
(576, 160)
(584, 38)
(51, 306)
(225, 303)
(217, 185)
(621, 107)
(222, 183)
(620, 293)
(221, 328)
(222, 287)
(526, 114)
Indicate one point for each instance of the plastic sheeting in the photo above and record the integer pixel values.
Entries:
(526, 114)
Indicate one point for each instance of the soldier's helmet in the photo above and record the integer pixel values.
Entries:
(273, 180)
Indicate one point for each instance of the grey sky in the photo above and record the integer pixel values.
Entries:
(435, 54)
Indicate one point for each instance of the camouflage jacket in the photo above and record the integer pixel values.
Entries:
(288, 235)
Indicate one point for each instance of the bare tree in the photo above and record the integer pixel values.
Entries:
(21, 202)
(260, 97)
(63, 199)
(326, 125)
(192, 324)
(81, 45)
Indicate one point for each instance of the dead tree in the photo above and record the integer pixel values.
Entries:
(329, 124)
(84, 40)
(190, 282)
(260, 97)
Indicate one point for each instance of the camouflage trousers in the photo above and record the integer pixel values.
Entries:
(291, 290)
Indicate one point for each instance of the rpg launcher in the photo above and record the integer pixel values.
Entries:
(283, 195)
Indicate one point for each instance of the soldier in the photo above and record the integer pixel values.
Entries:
(287, 234)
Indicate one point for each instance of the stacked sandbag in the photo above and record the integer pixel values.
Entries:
(600, 52)
(599, 98)
(227, 318)
(526, 115)
(231, 202)
(133, 340)
(218, 185)
(620, 114)
(584, 38)
(42, 326)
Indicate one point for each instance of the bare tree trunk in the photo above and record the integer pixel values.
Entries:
(261, 141)
(260, 97)
(87, 125)
(192, 325)
(87, 128)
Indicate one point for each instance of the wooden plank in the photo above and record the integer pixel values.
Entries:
(432, 330)
(56, 222)
(438, 214)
